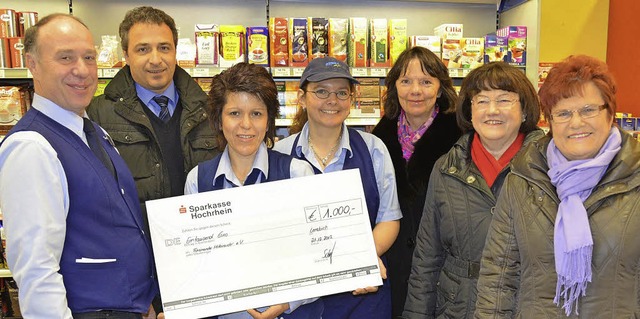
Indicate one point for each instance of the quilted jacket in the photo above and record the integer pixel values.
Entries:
(517, 276)
(451, 236)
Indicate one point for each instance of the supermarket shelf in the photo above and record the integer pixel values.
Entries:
(206, 71)
(5, 273)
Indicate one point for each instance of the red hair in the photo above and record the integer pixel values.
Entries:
(568, 78)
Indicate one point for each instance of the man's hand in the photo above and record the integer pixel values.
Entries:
(271, 312)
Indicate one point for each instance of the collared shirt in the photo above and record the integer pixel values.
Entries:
(35, 228)
(298, 168)
(382, 166)
(146, 96)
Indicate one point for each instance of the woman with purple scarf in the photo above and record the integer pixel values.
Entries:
(418, 126)
(564, 237)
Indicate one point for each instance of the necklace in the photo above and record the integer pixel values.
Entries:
(325, 159)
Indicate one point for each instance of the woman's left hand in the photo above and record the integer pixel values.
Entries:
(271, 312)
(366, 290)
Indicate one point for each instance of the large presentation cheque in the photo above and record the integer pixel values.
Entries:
(247, 247)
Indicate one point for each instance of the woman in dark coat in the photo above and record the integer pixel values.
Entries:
(498, 110)
(418, 127)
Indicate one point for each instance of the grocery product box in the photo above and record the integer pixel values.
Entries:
(12, 105)
(379, 51)
(472, 53)
(431, 42)
(628, 123)
(516, 44)
(8, 23)
(5, 54)
(299, 39)
(367, 106)
(449, 31)
(338, 38)
(358, 44)
(232, 45)
(257, 42)
(206, 36)
(186, 53)
(205, 84)
(451, 53)
(368, 88)
(319, 42)
(397, 38)
(16, 49)
(494, 48)
(279, 41)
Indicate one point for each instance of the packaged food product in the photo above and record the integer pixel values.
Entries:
(279, 41)
(26, 19)
(5, 53)
(8, 23)
(257, 42)
(108, 52)
(358, 43)
(379, 43)
(299, 38)
(516, 44)
(319, 42)
(207, 36)
(494, 48)
(338, 37)
(11, 105)
(186, 53)
(397, 38)
(451, 53)
(449, 31)
(16, 49)
(472, 53)
(231, 45)
(431, 42)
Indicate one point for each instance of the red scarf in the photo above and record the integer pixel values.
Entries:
(488, 165)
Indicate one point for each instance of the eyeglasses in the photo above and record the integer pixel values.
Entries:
(324, 94)
(585, 112)
(501, 103)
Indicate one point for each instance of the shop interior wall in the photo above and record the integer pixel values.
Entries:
(573, 27)
(623, 43)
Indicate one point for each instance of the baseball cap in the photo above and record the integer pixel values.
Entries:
(320, 69)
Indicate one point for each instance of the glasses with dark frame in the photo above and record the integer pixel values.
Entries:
(324, 94)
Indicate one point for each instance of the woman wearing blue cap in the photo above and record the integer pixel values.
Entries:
(321, 137)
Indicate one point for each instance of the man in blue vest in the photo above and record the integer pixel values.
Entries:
(75, 238)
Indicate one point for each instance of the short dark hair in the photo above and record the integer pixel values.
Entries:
(568, 78)
(498, 76)
(148, 15)
(31, 34)
(247, 78)
(432, 65)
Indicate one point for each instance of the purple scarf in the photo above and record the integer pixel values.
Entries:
(572, 239)
(408, 137)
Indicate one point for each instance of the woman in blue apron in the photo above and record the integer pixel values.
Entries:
(243, 106)
(323, 139)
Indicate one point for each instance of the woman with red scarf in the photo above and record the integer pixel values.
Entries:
(497, 110)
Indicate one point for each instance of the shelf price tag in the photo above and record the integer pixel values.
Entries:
(281, 71)
(379, 72)
(465, 72)
(109, 73)
(359, 72)
(1, 73)
(298, 71)
(200, 72)
(29, 75)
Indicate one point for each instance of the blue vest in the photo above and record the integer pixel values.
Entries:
(104, 221)
(279, 168)
(361, 159)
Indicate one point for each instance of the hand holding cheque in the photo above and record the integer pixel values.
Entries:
(265, 244)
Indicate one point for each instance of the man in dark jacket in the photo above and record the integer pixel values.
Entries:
(153, 110)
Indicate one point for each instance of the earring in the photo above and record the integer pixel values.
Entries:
(269, 142)
(524, 118)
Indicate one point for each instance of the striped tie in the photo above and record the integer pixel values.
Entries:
(163, 102)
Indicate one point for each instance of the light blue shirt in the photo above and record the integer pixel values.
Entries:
(146, 96)
(382, 166)
(298, 168)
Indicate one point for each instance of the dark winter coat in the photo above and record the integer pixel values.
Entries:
(412, 178)
(454, 225)
(518, 277)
